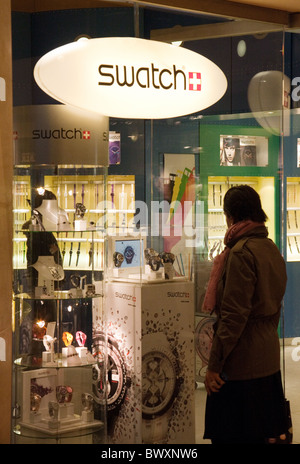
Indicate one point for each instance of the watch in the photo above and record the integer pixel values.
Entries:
(153, 259)
(154, 263)
(64, 393)
(53, 409)
(161, 383)
(204, 333)
(113, 367)
(87, 401)
(129, 254)
(35, 401)
(80, 209)
(167, 257)
(118, 259)
(203, 337)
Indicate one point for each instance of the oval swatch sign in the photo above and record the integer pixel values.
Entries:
(130, 78)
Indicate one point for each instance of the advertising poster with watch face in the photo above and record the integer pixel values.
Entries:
(203, 341)
(242, 150)
(150, 354)
(168, 364)
(131, 250)
(117, 338)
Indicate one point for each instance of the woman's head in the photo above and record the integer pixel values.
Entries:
(243, 203)
(231, 148)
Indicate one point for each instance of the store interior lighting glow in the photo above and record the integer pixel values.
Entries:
(177, 43)
(41, 324)
(40, 190)
(128, 77)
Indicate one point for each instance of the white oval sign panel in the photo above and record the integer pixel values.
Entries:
(130, 78)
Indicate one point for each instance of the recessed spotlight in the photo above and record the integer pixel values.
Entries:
(241, 48)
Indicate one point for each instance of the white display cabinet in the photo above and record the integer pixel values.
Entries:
(150, 333)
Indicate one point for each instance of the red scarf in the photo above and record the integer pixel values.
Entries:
(233, 233)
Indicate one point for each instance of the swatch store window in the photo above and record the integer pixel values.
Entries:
(121, 167)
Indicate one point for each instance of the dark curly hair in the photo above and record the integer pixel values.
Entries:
(242, 202)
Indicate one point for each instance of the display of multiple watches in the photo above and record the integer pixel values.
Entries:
(64, 395)
(293, 221)
(81, 202)
(215, 220)
(155, 260)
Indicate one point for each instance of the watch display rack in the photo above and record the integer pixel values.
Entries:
(82, 200)
(216, 223)
(61, 215)
(293, 219)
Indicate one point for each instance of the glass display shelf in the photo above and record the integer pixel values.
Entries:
(56, 404)
(83, 436)
(75, 249)
(60, 218)
(33, 362)
(57, 295)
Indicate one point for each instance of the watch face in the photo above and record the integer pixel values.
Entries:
(118, 259)
(129, 254)
(115, 376)
(203, 338)
(159, 383)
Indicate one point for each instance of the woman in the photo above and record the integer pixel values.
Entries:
(245, 402)
(230, 154)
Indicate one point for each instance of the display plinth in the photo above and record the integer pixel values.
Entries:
(150, 330)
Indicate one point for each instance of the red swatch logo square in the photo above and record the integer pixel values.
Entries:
(194, 81)
(86, 134)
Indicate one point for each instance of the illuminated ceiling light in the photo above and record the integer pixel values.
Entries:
(241, 48)
(177, 43)
(82, 38)
(130, 78)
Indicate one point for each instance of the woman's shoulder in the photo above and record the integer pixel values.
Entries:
(259, 248)
(252, 243)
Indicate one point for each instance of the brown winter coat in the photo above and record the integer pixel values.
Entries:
(249, 296)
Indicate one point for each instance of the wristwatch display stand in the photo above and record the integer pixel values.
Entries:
(60, 219)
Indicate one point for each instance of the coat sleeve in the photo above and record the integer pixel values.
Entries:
(235, 307)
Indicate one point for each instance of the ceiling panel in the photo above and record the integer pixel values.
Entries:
(292, 6)
(274, 11)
